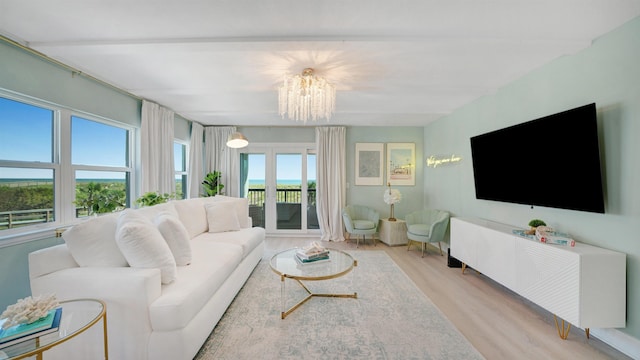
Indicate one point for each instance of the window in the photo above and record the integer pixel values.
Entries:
(99, 154)
(27, 165)
(56, 165)
(180, 166)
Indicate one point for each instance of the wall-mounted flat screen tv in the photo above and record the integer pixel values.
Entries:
(553, 161)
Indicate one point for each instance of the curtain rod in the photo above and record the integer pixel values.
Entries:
(73, 70)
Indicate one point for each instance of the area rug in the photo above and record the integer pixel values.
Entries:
(390, 319)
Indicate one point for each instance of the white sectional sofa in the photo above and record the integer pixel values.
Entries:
(164, 294)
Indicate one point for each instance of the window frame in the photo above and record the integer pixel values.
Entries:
(63, 169)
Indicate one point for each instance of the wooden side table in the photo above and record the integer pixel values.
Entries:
(393, 233)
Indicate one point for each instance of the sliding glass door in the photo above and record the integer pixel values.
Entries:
(279, 182)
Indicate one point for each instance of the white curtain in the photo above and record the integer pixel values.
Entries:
(196, 164)
(156, 149)
(217, 156)
(331, 180)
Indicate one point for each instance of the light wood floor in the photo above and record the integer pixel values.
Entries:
(499, 323)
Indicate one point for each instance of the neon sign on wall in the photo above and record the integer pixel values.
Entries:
(440, 160)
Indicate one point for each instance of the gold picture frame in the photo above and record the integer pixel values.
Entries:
(401, 164)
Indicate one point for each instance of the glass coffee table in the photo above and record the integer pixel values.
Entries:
(285, 264)
(77, 316)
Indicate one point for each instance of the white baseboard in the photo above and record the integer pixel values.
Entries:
(622, 342)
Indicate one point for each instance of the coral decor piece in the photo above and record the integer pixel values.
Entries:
(392, 196)
(28, 310)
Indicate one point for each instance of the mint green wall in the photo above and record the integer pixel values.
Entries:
(372, 195)
(608, 74)
(14, 269)
(28, 74)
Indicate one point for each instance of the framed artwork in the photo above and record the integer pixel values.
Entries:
(401, 163)
(369, 163)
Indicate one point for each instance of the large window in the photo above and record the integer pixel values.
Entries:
(57, 165)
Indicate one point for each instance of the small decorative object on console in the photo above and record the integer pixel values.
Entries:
(547, 235)
(534, 224)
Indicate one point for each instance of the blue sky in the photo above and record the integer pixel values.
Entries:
(26, 135)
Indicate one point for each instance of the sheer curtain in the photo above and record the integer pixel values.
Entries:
(331, 180)
(156, 149)
(195, 161)
(218, 156)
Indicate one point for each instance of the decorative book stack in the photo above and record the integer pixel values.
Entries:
(23, 332)
(312, 254)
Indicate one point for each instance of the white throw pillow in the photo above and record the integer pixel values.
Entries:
(93, 242)
(143, 246)
(221, 218)
(192, 214)
(240, 205)
(176, 236)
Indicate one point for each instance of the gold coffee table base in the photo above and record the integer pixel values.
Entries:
(310, 295)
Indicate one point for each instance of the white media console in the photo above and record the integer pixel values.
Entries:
(584, 285)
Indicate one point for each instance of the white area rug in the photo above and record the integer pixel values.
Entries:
(390, 319)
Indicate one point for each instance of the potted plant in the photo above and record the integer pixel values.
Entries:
(534, 224)
(212, 185)
(153, 197)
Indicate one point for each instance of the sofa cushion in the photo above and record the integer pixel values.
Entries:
(419, 229)
(176, 236)
(143, 246)
(193, 215)
(213, 263)
(363, 224)
(248, 239)
(221, 218)
(93, 242)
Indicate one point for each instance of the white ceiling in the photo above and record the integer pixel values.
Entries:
(400, 62)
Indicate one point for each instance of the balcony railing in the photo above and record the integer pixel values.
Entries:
(256, 196)
(13, 219)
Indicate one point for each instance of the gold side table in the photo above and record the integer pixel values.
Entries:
(77, 316)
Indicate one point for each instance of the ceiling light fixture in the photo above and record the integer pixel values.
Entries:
(306, 97)
(236, 140)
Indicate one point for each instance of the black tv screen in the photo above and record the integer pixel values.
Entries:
(553, 161)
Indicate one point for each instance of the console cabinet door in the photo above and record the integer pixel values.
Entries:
(496, 256)
(550, 277)
(463, 241)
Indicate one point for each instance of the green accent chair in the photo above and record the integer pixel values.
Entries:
(361, 220)
(427, 226)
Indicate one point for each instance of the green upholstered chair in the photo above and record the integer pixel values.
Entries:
(427, 226)
(361, 220)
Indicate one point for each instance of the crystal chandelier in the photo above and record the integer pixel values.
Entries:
(306, 97)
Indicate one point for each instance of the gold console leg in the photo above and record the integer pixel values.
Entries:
(563, 332)
(464, 267)
(586, 332)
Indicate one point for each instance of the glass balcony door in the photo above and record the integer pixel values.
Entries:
(280, 185)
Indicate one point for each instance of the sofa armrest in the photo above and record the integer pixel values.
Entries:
(126, 291)
(51, 259)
